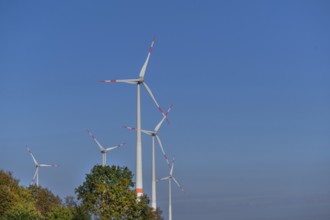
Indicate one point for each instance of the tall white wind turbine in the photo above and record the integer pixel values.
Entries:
(170, 178)
(103, 150)
(35, 178)
(138, 82)
(153, 134)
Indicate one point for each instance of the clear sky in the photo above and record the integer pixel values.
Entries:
(249, 81)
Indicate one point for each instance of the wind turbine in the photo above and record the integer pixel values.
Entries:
(103, 150)
(153, 134)
(37, 165)
(138, 82)
(170, 178)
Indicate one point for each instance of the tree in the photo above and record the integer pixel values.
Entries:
(70, 202)
(107, 193)
(44, 199)
(7, 199)
(60, 213)
(34, 202)
(9, 191)
(23, 211)
(78, 212)
(145, 212)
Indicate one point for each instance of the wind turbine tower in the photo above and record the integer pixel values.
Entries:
(138, 82)
(103, 150)
(170, 178)
(154, 134)
(35, 178)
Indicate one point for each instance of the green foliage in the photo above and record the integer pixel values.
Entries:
(7, 179)
(107, 193)
(78, 212)
(25, 195)
(70, 202)
(44, 199)
(157, 215)
(12, 195)
(60, 213)
(7, 199)
(144, 212)
(22, 211)
(9, 189)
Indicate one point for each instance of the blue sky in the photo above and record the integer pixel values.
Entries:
(249, 81)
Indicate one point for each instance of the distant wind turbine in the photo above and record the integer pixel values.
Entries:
(138, 82)
(103, 150)
(35, 178)
(153, 134)
(170, 178)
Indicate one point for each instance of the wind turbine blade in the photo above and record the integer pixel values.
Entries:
(114, 147)
(35, 174)
(144, 67)
(134, 129)
(159, 124)
(48, 165)
(130, 128)
(130, 81)
(164, 178)
(96, 141)
(30, 152)
(110, 148)
(172, 167)
(177, 183)
(153, 98)
(168, 111)
(147, 132)
(164, 117)
(164, 154)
